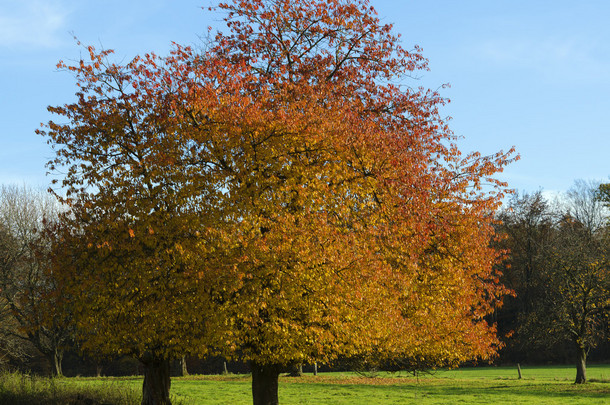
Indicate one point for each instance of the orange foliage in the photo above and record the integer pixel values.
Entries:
(304, 205)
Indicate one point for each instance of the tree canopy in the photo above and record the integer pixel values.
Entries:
(278, 197)
(558, 267)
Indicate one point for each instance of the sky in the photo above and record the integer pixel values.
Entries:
(531, 74)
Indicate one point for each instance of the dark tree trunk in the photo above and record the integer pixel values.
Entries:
(265, 383)
(581, 365)
(98, 369)
(155, 390)
(297, 370)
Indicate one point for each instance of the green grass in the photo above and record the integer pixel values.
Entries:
(481, 385)
(24, 389)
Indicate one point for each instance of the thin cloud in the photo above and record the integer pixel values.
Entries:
(553, 57)
(31, 23)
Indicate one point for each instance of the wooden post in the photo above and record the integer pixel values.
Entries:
(519, 370)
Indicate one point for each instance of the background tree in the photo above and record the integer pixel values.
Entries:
(570, 300)
(581, 273)
(12, 347)
(528, 224)
(29, 293)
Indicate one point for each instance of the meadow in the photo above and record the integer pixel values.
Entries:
(481, 385)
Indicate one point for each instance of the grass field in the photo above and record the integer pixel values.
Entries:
(483, 385)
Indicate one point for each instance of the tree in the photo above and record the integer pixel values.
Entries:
(29, 293)
(528, 224)
(281, 195)
(12, 347)
(581, 275)
(129, 257)
(582, 272)
(183, 367)
(362, 229)
(569, 300)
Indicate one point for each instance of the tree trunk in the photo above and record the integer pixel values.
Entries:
(183, 370)
(155, 389)
(581, 365)
(56, 358)
(297, 370)
(265, 383)
(98, 369)
(315, 368)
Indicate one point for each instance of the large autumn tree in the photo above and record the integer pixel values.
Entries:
(283, 197)
(361, 228)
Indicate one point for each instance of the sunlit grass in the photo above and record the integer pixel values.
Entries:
(24, 389)
(480, 385)
(483, 385)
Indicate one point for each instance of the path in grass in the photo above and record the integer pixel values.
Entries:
(485, 385)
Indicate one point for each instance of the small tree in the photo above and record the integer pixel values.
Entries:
(31, 297)
(581, 271)
(571, 277)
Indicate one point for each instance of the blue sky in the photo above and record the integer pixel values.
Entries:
(534, 74)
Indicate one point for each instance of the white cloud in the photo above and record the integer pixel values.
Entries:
(31, 23)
